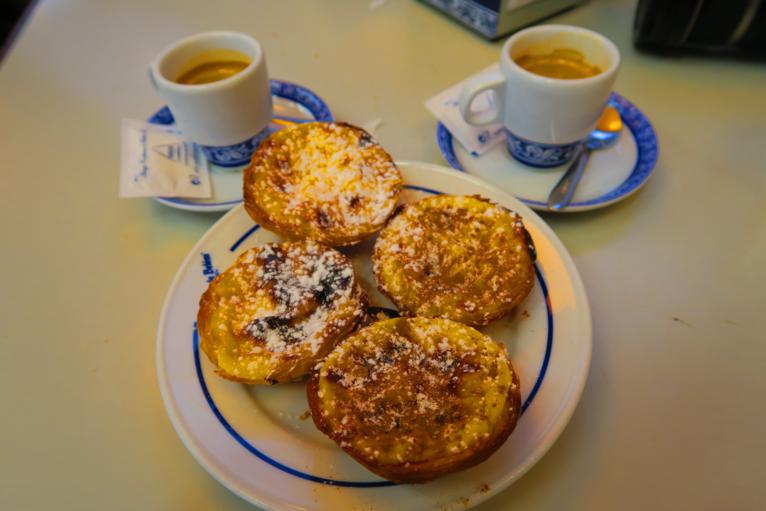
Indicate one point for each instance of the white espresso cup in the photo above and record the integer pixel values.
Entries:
(229, 117)
(545, 118)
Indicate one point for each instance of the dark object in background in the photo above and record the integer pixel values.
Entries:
(712, 26)
(495, 18)
(12, 15)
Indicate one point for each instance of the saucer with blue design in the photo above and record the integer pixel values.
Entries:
(292, 104)
(612, 174)
(260, 441)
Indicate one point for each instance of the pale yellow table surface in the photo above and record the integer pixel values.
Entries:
(674, 412)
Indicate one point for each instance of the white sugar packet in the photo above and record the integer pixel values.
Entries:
(157, 161)
(476, 139)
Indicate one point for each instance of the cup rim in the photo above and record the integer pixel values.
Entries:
(505, 57)
(212, 86)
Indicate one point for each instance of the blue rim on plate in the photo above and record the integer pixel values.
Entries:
(646, 144)
(287, 90)
(209, 271)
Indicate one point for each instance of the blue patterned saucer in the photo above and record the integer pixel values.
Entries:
(291, 102)
(612, 175)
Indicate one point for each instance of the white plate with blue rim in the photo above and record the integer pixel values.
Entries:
(259, 442)
(612, 174)
(292, 104)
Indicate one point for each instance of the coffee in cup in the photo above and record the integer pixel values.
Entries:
(564, 64)
(214, 66)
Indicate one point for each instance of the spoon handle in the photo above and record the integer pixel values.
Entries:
(562, 193)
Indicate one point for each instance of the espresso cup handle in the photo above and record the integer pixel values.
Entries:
(474, 88)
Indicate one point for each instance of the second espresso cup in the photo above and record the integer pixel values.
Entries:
(228, 117)
(545, 118)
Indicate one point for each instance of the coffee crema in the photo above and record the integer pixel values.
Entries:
(564, 64)
(214, 68)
